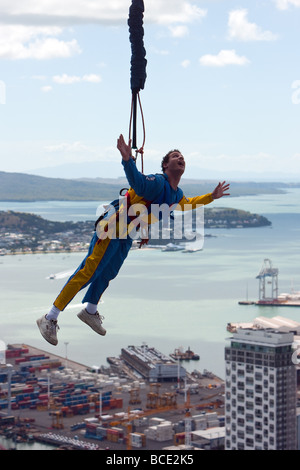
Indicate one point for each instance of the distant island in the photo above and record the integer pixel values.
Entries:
(223, 217)
(28, 188)
(22, 232)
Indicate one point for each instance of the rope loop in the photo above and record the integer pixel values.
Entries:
(141, 150)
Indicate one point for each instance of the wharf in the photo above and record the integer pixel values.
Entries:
(35, 351)
(278, 323)
(271, 303)
(76, 407)
(278, 303)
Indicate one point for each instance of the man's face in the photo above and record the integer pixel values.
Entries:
(176, 163)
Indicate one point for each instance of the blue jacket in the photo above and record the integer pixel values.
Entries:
(146, 191)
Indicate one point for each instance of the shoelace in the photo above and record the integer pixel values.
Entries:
(54, 325)
(101, 317)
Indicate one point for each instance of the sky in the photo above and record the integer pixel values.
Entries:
(223, 86)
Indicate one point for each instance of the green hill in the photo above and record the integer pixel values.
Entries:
(24, 187)
(22, 222)
(24, 233)
(28, 188)
(224, 217)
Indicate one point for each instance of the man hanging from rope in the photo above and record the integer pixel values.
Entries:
(112, 240)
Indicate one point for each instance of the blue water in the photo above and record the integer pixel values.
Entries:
(166, 299)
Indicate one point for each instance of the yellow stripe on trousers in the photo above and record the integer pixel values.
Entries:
(82, 277)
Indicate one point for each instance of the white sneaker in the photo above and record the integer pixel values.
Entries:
(48, 329)
(93, 320)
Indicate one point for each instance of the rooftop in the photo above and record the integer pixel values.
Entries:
(264, 336)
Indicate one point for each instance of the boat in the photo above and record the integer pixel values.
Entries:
(246, 302)
(188, 355)
(191, 250)
(172, 247)
(193, 247)
(61, 275)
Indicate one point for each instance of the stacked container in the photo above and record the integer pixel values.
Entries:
(161, 432)
(137, 439)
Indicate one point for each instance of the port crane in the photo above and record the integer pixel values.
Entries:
(270, 275)
(155, 400)
(133, 415)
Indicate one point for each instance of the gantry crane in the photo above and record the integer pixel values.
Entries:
(155, 400)
(270, 274)
(133, 415)
(135, 396)
(188, 421)
(57, 419)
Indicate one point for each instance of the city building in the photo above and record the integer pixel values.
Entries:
(260, 391)
(151, 364)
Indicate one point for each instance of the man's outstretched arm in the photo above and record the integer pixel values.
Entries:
(188, 203)
(124, 149)
(220, 190)
(148, 186)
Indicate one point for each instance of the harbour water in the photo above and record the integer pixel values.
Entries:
(10, 444)
(165, 299)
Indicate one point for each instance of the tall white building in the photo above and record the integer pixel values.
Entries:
(260, 392)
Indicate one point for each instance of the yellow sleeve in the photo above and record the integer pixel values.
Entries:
(192, 202)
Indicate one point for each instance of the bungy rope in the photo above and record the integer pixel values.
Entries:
(138, 70)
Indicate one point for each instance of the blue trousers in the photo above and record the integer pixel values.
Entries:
(101, 264)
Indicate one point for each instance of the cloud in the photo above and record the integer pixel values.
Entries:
(240, 28)
(179, 31)
(159, 51)
(35, 42)
(91, 78)
(46, 88)
(65, 79)
(70, 12)
(59, 153)
(67, 147)
(285, 4)
(185, 63)
(30, 30)
(225, 57)
(168, 12)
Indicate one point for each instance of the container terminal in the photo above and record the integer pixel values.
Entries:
(141, 400)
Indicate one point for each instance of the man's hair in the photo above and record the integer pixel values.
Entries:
(166, 158)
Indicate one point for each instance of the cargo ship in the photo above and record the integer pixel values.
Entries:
(184, 356)
(283, 300)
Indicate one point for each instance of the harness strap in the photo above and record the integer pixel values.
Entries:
(133, 116)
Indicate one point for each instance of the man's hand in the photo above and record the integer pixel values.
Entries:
(124, 149)
(220, 190)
